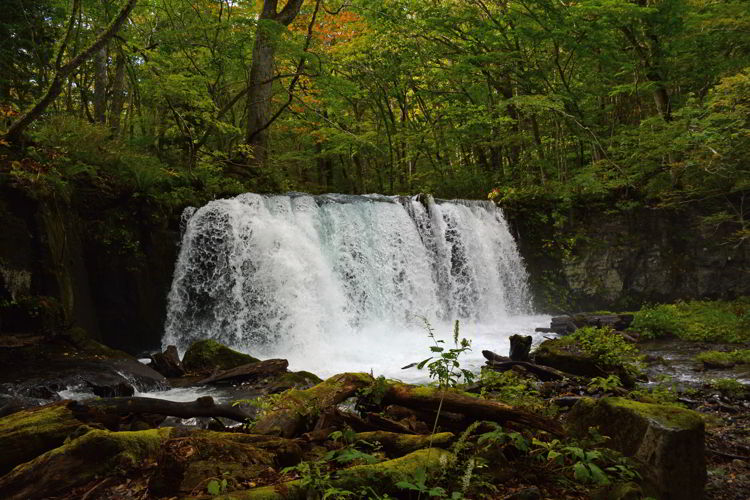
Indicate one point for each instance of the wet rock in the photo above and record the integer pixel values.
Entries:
(564, 325)
(206, 356)
(667, 442)
(168, 362)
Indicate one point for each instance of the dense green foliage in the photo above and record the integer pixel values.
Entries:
(600, 98)
(714, 321)
(608, 348)
(728, 359)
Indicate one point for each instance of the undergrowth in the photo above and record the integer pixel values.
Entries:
(707, 321)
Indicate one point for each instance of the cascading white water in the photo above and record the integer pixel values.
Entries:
(338, 282)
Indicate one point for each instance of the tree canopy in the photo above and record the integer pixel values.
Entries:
(638, 99)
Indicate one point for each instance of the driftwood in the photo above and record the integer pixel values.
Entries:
(297, 411)
(427, 398)
(491, 356)
(201, 407)
(544, 373)
(248, 371)
(386, 424)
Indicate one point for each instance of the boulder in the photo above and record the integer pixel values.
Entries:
(666, 441)
(206, 356)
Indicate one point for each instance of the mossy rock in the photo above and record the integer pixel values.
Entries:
(294, 380)
(667, 441)
(381, 477)
(80, 460)
(26, 434)
(187, 462)
(565, 354)
(209, 355)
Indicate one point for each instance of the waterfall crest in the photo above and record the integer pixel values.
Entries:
(267, 273)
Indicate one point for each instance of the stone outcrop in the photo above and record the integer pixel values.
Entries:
(596, 255)
(206, 356)
(667, 442)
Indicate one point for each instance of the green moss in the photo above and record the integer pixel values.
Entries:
(731, 387)
(381, 477)
(208, 355)
(707, 321)
(401, 444)
(294, 380)
(718, 359)
(666, 415)
(592, 352)
(80, 460)
(29, 433)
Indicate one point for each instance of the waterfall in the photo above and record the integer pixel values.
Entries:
(304, 277)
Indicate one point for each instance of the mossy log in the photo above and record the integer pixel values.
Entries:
(398, 445)
(381, 477)
(201, 407)
(248, 371)
(430, 398)
(77, 462)
(297, 411)
(29, 433)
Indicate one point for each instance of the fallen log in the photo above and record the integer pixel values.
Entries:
(248, 371)
(386, 424)
(430, 398)
(201, 407)
(544, 373)
(491, 356)
(297, 411)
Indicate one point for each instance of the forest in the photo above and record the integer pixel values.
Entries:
(377, 249)
(639, 100)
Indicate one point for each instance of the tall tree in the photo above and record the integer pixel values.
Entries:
(261, 75)
(17, 128)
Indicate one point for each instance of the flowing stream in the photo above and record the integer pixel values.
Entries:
(338, 282)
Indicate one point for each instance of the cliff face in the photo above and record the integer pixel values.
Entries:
(593, 258)
(97, 263)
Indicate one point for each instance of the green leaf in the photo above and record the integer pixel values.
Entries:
(213, 487)
(581, 472)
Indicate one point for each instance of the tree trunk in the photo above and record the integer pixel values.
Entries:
(297, 411)
(118, 95)
(261, 77)
(100, 85)
(432, 398)
(201, 407)
(16, 130)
